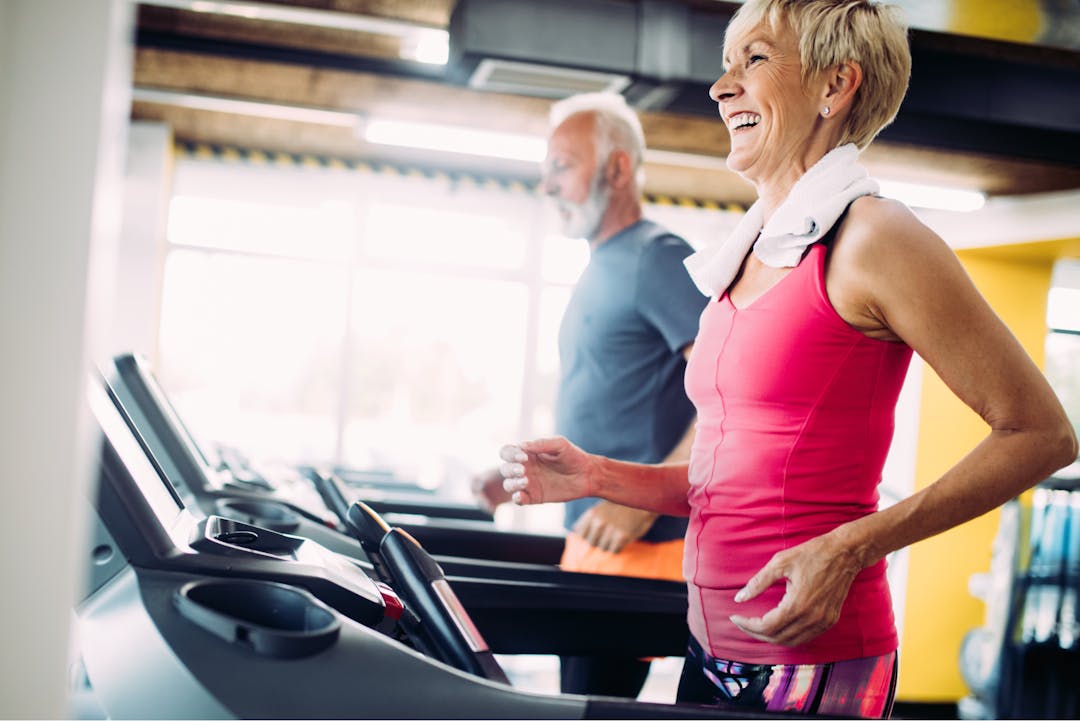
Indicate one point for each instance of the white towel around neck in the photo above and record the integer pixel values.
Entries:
(815, 202)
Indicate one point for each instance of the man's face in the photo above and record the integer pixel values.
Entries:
(573, 179)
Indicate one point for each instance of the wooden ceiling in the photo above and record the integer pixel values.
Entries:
(183, 51)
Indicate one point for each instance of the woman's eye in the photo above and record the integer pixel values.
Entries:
(754, 58)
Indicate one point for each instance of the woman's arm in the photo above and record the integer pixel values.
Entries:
(553, 469)
(893, 278)
(913, 285)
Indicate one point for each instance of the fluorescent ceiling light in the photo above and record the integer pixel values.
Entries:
(216, 103)
(428, 46)
(685, 160)
(422, 43)
(455, 139)
(929, 196)
(423, 136)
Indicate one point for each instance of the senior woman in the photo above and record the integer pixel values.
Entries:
(819, 298)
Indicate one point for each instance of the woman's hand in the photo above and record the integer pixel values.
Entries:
(546, 471)
(818, 575)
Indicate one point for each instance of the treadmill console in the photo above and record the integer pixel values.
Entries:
(153, 528)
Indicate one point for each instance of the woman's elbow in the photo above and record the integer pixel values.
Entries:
(1063, 446)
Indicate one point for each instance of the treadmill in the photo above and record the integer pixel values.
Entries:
(189, 616)
(521, 607)
(308, 500)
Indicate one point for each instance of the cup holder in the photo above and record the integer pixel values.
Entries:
(272, 619)
(266, 514)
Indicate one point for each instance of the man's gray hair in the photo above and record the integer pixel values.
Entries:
(617, 126)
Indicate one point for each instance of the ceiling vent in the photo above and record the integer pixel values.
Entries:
(547, 81)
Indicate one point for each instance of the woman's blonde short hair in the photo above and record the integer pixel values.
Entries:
(834, 31)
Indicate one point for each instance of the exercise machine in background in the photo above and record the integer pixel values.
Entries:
(1025, 661)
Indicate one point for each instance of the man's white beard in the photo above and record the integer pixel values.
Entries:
(583, 219)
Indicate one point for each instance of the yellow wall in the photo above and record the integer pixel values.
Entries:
(1015, 20)
(939, 610)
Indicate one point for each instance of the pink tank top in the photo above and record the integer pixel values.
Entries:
(795, 417)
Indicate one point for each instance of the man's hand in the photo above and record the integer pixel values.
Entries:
(610, 527)
(487, 489)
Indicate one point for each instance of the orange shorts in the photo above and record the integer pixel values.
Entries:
(644, 560)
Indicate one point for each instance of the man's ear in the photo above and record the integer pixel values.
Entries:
(842, 80)
(618, 172)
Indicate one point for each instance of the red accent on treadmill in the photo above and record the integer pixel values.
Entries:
(394, 606)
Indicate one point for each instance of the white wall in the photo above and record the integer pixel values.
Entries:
(64, 96)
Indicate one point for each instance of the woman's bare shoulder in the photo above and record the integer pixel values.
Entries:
(880, 250)
(876, 225)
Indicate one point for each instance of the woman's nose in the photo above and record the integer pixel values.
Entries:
(725, 88)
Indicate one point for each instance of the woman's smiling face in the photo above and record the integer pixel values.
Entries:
(769, 112)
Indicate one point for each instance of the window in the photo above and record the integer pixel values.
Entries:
(435, 376)
(388, 322)
(374, 321)
(249, 350)
(1063, 340)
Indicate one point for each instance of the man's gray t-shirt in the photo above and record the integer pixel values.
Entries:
(621, 392)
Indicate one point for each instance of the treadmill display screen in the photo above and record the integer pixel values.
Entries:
(181, 431)
(157, 492)
(144, 405)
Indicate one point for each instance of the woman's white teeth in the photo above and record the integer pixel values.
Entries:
(743, 120)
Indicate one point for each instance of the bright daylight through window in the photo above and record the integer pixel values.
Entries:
(385, 322)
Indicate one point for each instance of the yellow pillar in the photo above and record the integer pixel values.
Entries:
(1016, 20)
(939, 610)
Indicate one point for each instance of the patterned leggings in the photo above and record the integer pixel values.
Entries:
(860, 687)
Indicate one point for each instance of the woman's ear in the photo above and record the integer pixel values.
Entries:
(842, 81)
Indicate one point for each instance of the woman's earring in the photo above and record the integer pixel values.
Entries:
(825, 111)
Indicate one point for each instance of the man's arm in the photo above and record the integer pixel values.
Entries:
(609, 526)
(681, 452)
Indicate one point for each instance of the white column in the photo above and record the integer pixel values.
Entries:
(147, 189)
(65, 79)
